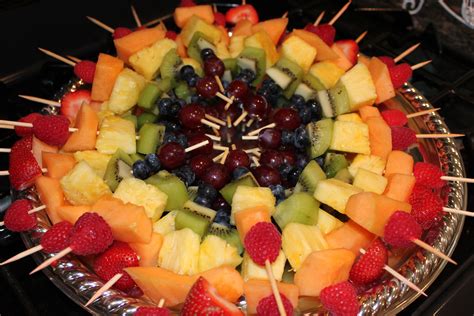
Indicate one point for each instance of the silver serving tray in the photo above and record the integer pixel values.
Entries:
(75, 279)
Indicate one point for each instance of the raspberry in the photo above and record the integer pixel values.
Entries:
(187, 3)
(26, 131)
(120, 32)
(402, 137)
(52, 129)
(394, 117)
(85, 70)
(428, 175)
(152, 311)
(268, 306)
(399, 74)
(401, 229)
(263, 242)
(369, 266)
(387, 61)
(91, 235)
(171, 35)
(219, 19)
(17, 218)
(426, 206)
(57, 237)
(340, 299)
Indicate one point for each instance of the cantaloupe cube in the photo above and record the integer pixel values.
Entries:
(298, 51)
(85, 137)
(250, 197)
(382, 81)
(334, 193)
(245, 219)
(372, 163)
(341, 61)
(148, 252)
(380, 136)
(106, 71)
(359, 86)
(350, 137)
(350, 236)
(39, 147)
(262, 40)
(181, 49)
(58, 165)
(274, 28)
(363, 59)
(369, 181)
(368, 111)
(51, 194)
(255, 290)
(224, 35)
(196, 24)
(324, 51)
(327, 73)
(71, 213)
(147, 61)
(243, 28)
(183, 14)
(349, 117)
(399, 162)
(133, 42)
(400, 186)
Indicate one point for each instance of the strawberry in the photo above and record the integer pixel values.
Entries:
(120, 32)
(369, 266)
(340, 299)
(401, 229)
(17, 218)
(57, 237)
(263, 242)
(71, 103)
(187, 3)
(219, 19)
(400, 74)
(85, 70)
(387, 61)
(426, 206)
(91, 235)
(24, 168)
(242, 12)
(171, 35)
(113, 261)
(402, 137)
(52, 129)
(26, 131)
(203, 299)
(428, 175)
(152, 311)
(267, 306)
(350, 49)
(394, 117)
(325, 31)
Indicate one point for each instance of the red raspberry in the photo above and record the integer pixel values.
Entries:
(23, 167)
(187, 3)
(401, 229)
(52, 129)
(426, 206)
(85, 70)
(219, 19)
(91, 235)
(17, 218)
(369, 266)
(120, 32)
(112, 261)
(171, 35)
(340, 299)
(399, 74)
(394, 117)
(26, 131)
(325, 31)
(263, 242)
(402, 137)
(428, 175)
(57, 237)
(268, 306)
(152, 311)
(387, 61)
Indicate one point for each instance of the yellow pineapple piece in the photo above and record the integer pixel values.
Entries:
(196, 24)
(222, 51)
(147, 61)
(126, 91)
(327, 73)
(262, 40)
(251, 270)
(180, 252)
(236, 45)
(350, 137)
(327, 223)
(215, 252)
(335, 193)
(104, 112)
(140, 193)
(368, 162)
(299, 52)
(299, 240)
(359, 86)
(195, 64)
(350, 117)
(165, 224)
(369, 181)
(247, 197)
(95, 159)
(116, 132)
(82, 186)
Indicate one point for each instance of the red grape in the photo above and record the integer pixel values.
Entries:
(172, 155)
(271, 158)
(267, 176)
(200, 163)
(256, 106)
(207, 87)
(270, 138)
(238, 89)
(237, 158)
(191, 115)
(287, 118)
(214, 67)
(289, 157)
(216, 175)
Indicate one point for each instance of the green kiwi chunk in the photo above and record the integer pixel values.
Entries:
(146, 118)
(148, 96)
(132, 118)
(198, 42)
(305, 91)
(300, 207)
(170, 64)
(327, 103)
(344, 175)
(135, 157)
(340, 99)
(254, 59)
(229, 189)
(231, 64)
(333, 163)
(313, 82)
(172, 186)
(309, 178)
(182, 91)
(281, 78)
(150, 137)
(294, 71)
(166, 84)
(320, 136)
(230, 235)
(118, 168)
(187, 219)
(202, 211)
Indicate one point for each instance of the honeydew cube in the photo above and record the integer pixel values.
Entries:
(359, 86)
(350, 137)
(335, 193)
(298, 51)
(369, 181)
(327, 73)
(147, 61)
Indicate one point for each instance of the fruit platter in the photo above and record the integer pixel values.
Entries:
(220, 164)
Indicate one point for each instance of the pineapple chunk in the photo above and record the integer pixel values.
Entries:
(165, 224)
(369, 181)
(299, 240)
(247, 197)
(180, 252)
(116, 132)
(350, 117)
(335, 193)
(95, 159)
(251, 270)
(82, 186)
(236, 45)
(327, 73)
(215, 252)
(196, 24)
(147, 61)
(368, 162)
(126, 91)
(350, 137)
(327, 223)
(104, 112)
(262, 40)
(222, 51)
(138, 192)
(195, 64)
(299, 52)
(359, 86)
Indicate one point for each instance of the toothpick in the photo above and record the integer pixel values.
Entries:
(284, 15)
(246, 137)
(196, 146)
(161, 303)
(5, 150)
(219, 147)
(23, 124)
(361, 37)
(319, 18)
(214, 7)
(7, 126)
(161, 24)
(439, 135)
(100, 24)
(40, 100)
(455, 211)
(214, 119)
(420, 65)
(75, 59)
(22, 254)
(406, 53)
(241, 118)
(216, 138)
(276, 292)
(251, 150)
(231, 100)
(104, 288)
(422, 112)
(57, 256)
(255, 161)
(216, 132)
(7, 173)
(218, 157)
(158, 20)
(224, 157)
(250, 122)
(255, 132)
(233, 147)
(135, 16)
(460, 179)
(223, 97)
(229, 122)
(219, 83)
(339, 13)
(58, 57)
(244, 2)
(210, 124)
(434, 251)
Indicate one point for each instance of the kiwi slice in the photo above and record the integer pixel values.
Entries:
(187, 219)
(198, 42)
(231, 64)
(182, 91)
(300, 207)
(118, 168)
(132, 118)
(282, 79)
(254, 59)
(151, 136)
(170, 64)
(305, 91)
(313, 82)
(309, 178)
(145, 118)
(228, 234)
(340, 99)
(327, 105)
(344, 175)
(333, 163)
(292, 70)
(172, 186)
(229, 189)
(166, 84)
(148, 96)
(200, 210)
(136, 157)
(192, 192)
(227, 76)
(320, 136)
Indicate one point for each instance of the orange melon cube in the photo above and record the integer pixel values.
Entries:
(245, 219)
(181, 49)
(71, 213)
(183, 14)
(382, 81)
(368, 111)
(399, 162)
(350, 236)
(51, 194)
(227, 281)
(84, 138)
(323, 268)
(372, 211)
(341, 61)
(106, 71)
(138, 40)
(274, 28)
(148, 252)
(380, 137)
(363, 60)
(58, 164)
(242, 28)
(38, 148)
(224, 35)
(255, 290)
(400, 186)
(324, 51)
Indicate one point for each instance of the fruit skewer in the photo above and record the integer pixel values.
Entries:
(101, 24)
(319, 18)
(26, 208)
(340, 12)
(361, 37)
(75, 59)
(135, 16)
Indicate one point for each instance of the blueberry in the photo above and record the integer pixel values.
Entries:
(249, 74)
(170, 126)
(287, 137)
(207, 191)
(316, 110)
(285, 169)
(186, 174)
(173, 109)
(141, 170)
(192, 80)
(305, 114)
(207, 53)
(164, 106)
(182, 140)
(222, 217)
(298, 101)
(202, 200)
(301, 139)
(239, 172)
(169, 138)
(186, 71)
(278, 191)
(293, 176)
(181, 102)
(301, 160)
(267, 82)
(153, 162)
(221, 204)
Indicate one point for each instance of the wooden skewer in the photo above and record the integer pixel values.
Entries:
(75, 59)
(216, 132)
(58, 57)
(420, 65)
(3, 126)
(224, 156)
(255, 132)
(5, 150)
(33, 210)
(210, 124)
(439, 135)
(252, 150)
(460, 179)
(244, 2)
(255, 161)
(231, 100)
(233, 147)
(455, 211)
(57, 256)
(219, 147)
(135, 16)
(276, 292)
(223, 97)
(406, 53)
(219, 83)
(214, 119)
(241, 118)
(250, 122)
(218, 157)
(196, 146)
(434, 251)
(246, 137)
(158, 20)
(161, 303)
(214, 7)
(100, 24)
(104, 288)
(361, 37)
(7, 173)
(213, 137)
(339, 13)
(22, 254)
(319, 18)
(40, 100)
(23, 124)
(229, 122)
(162, 25)
(422, 112)
(284, 15)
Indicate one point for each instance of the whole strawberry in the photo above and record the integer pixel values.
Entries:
(85, 70)
(23, 167)
(152, 311)
(52, 129)
(399, 74)
(369, 266)
(263, 242)
(120, 32)
(17, 218)
(26, 131)
(57, 237)
(402, 137)
(340, 299)
(219, 19)
(401, 229)
(428, 175)
(394, 117)
(91, 235)
(426, 205)
(267, 306)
